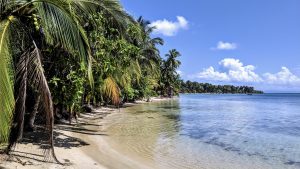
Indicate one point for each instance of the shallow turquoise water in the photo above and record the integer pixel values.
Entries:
(266, 125)
(215, 131)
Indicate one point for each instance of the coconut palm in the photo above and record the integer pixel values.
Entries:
(172, 63)
(150, 54)
(27, 27)
(170, 77)
(148, 58)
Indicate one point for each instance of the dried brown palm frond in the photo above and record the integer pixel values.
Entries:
(30, 70)
(111, 90)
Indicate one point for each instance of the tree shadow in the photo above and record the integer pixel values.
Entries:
(80, 130)
(41, 138)
(87, 124)
(62, 139)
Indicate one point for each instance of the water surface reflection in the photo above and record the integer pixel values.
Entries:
(213, 131)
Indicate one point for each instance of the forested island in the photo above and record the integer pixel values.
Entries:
(196, 87)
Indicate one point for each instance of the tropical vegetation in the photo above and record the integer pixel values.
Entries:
(57, 56)
(196, 87)
(60, 57)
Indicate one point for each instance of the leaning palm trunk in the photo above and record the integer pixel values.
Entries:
(30, 63)
(20, 95)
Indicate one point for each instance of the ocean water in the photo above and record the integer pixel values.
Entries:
(212, 131)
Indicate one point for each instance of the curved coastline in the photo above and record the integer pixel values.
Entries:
(149, 136)
(84, 145)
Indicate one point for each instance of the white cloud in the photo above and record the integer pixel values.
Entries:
(169, 28)
(225, 46)
(234, 71)
(180, 72)
(212, 75)
(283, 77)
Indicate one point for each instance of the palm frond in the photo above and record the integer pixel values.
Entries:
(123, 79)
(157, 40)
(6, 84)
(111, 90)
(29, 70)
(135, 70)
(61, 26)
(37, 78)
(114, 9)
(130, 73)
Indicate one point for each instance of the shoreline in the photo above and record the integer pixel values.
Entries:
(80, 145)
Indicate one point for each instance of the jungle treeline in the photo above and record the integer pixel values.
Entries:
(196, 87)
(58, 57)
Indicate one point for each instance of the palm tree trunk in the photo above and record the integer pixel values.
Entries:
(70, 115)
(33, 113)
(17, 127)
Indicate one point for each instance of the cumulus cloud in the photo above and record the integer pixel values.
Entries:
(283, 77)
(225, 46)
(234, 71)
(212, 75)
(170, 28)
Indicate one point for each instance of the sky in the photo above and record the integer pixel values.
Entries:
(250, 42)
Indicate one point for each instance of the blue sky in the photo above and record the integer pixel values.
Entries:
(254, 42)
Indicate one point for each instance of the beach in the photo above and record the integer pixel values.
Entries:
(81, 145)
(209, 131)
(194, 131)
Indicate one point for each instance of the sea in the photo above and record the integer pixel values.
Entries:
(212, 131)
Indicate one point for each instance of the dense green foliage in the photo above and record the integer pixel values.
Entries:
(195, 87)
(58, 56)
(170, 79)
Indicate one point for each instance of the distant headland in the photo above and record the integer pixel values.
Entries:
(196, 87)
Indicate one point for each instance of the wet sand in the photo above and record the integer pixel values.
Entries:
(154, 135)
(141, 136)
(81, 145)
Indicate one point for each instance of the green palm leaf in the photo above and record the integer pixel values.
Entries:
(6, 85)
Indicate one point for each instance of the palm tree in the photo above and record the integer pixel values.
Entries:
(149, 57)
(27, 27)
(170, 77)
(150, 54)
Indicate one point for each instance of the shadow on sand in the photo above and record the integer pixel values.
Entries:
(40, 138)
(65, 136)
